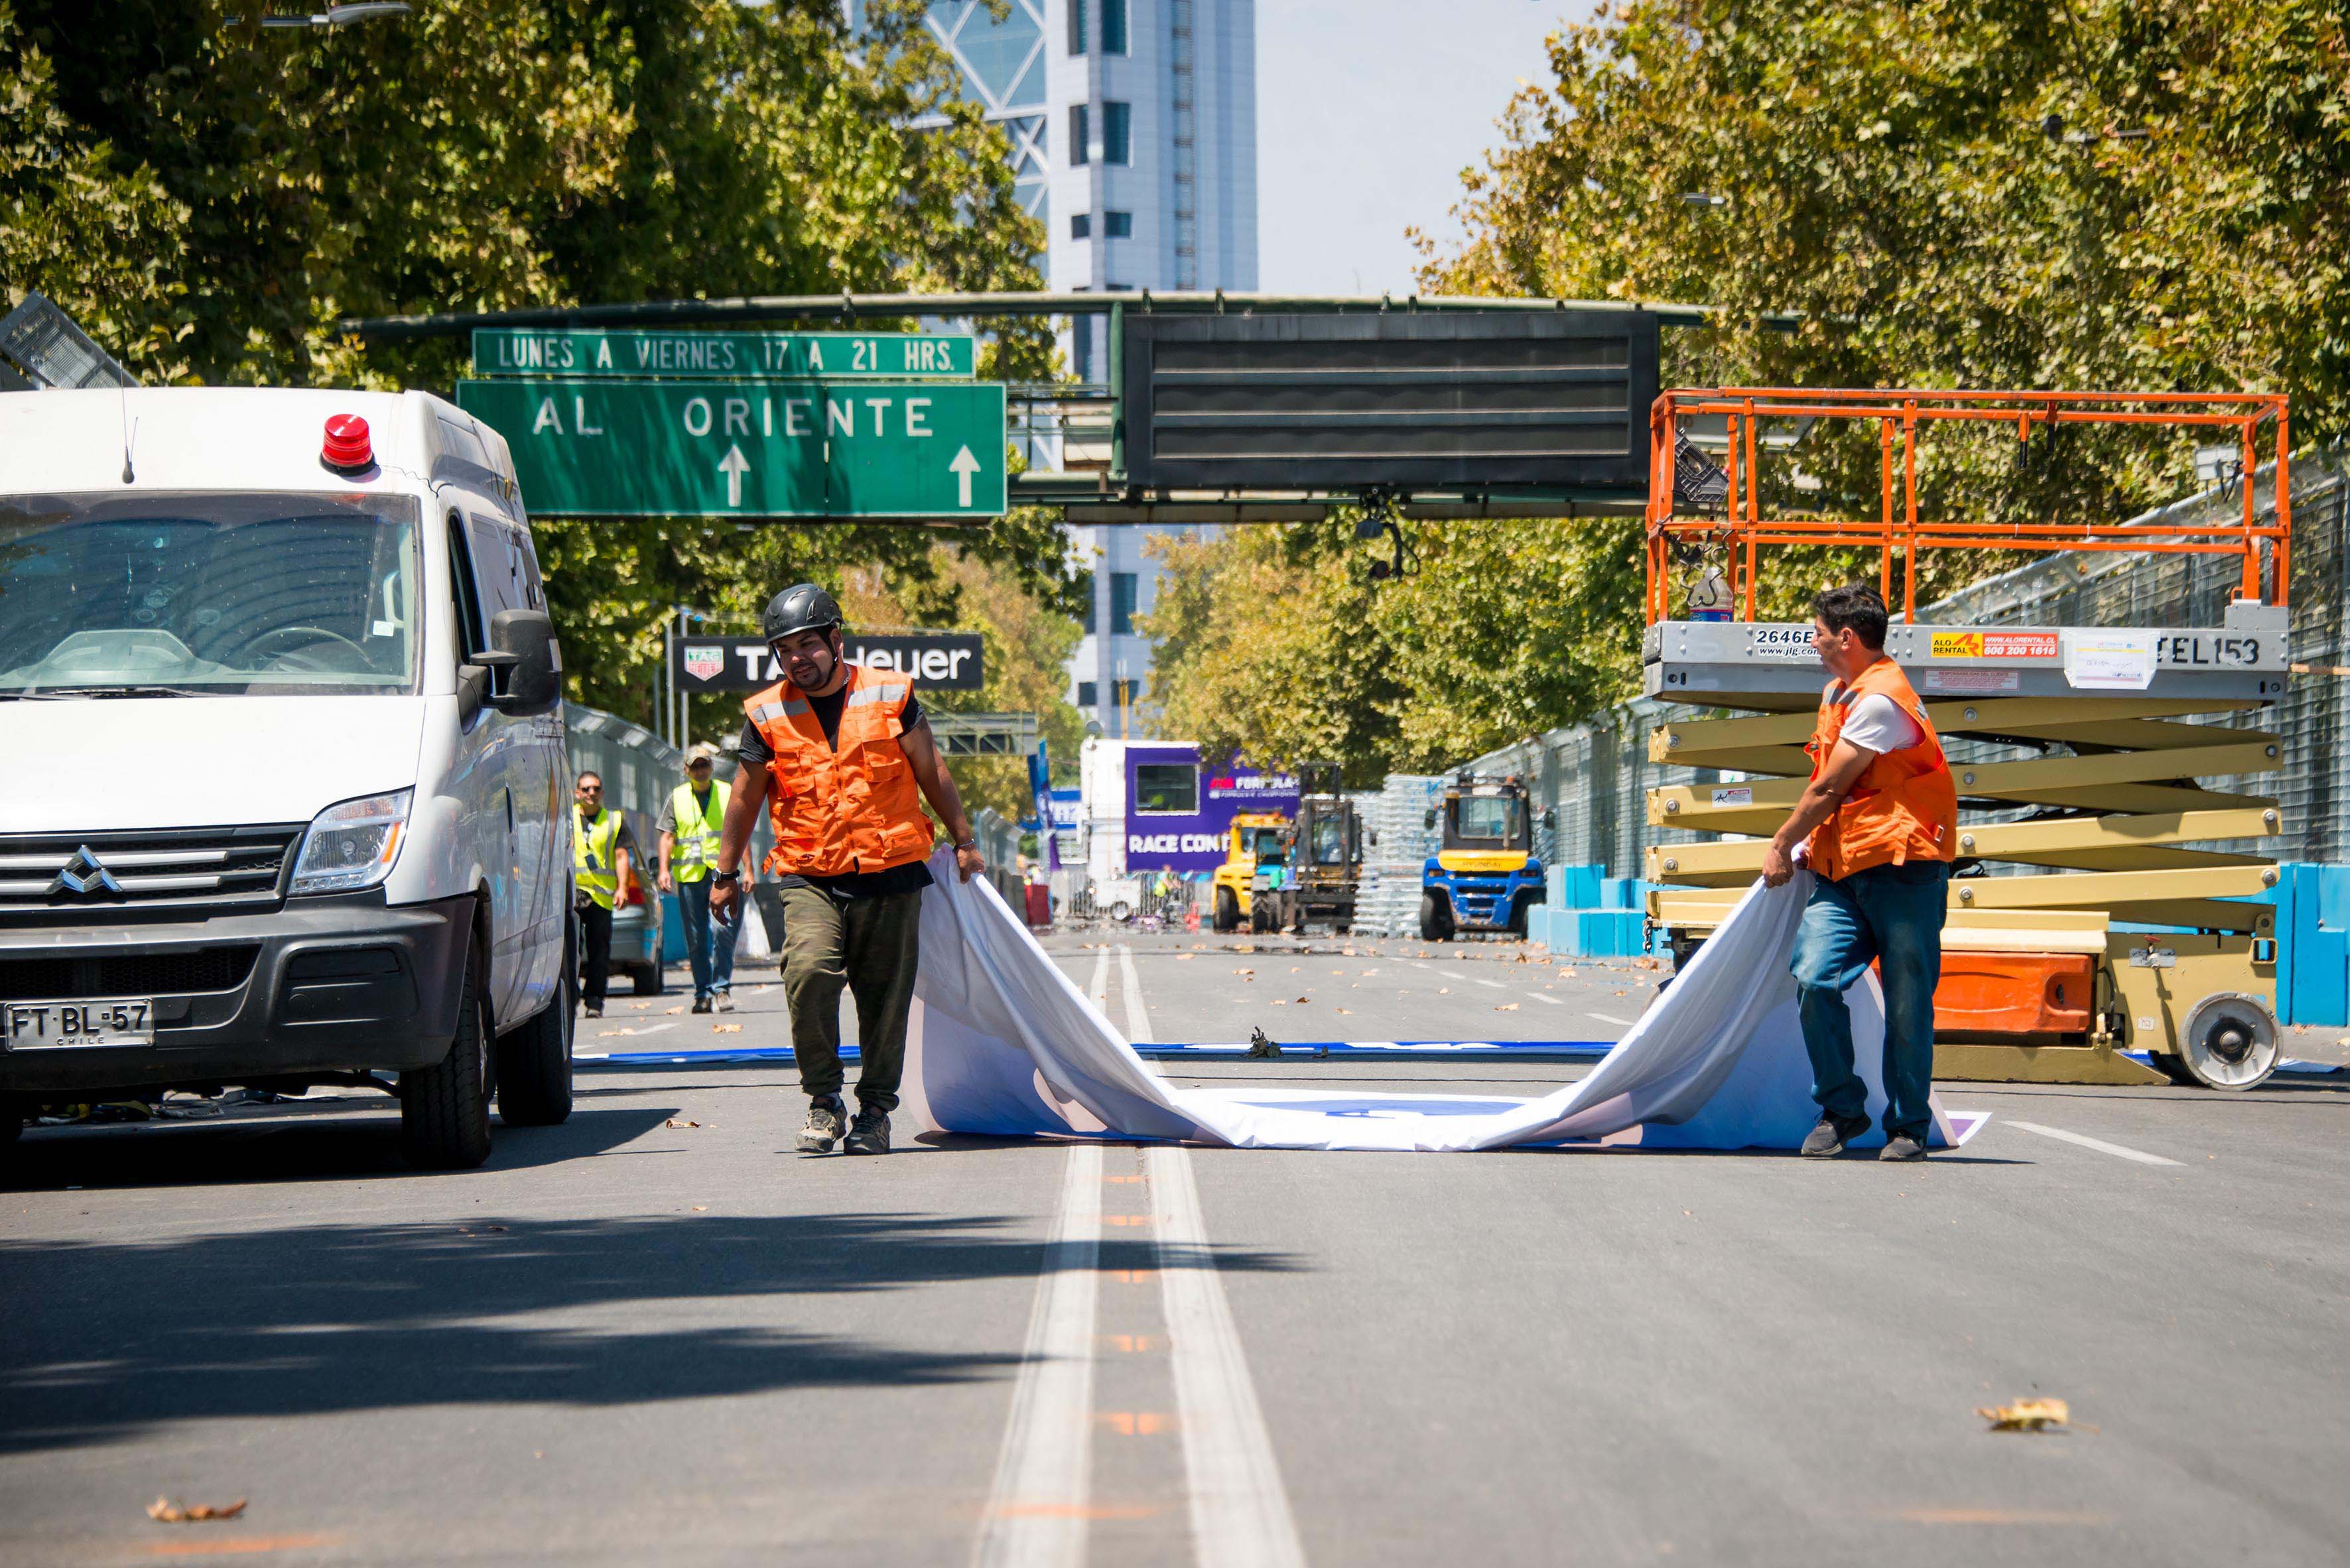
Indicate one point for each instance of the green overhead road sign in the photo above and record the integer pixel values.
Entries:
(750, 449)
(568, 351)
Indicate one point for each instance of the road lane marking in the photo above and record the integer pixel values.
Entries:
(1099, 989)
(1240, 1512)
(1545, 996)
(1481, 980)
(1038, 1511)
(1137, 1019)
(2118, 1151)
(1611, 1018)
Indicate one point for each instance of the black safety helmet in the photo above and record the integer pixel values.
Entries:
(803, 606)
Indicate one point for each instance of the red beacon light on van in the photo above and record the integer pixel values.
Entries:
(347, 448)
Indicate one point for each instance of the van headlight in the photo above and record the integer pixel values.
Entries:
(352, 844)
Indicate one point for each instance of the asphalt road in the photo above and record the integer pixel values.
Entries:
(657, 1335)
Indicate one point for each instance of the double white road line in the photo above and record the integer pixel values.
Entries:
(1038, 1517)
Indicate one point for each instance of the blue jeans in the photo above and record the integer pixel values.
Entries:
(709, 944)
(1892, 913)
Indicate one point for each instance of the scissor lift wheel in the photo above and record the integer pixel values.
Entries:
(2228, 1042)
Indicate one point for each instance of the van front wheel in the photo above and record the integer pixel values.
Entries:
(534, 1063)
(444, 1110)
(1228, 909)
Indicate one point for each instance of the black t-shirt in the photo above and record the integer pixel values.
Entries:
(756, 753)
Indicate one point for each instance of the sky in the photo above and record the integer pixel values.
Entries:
(1368, 111)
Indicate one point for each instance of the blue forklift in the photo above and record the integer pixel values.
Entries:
(1484, 875)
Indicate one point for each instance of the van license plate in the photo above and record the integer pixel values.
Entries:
(121, 1021)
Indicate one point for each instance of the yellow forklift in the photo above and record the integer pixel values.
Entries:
(1255, 840)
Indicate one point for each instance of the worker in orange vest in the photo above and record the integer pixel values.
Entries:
(843, 758)
(1880, 824)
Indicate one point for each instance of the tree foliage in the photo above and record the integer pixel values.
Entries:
(1986, 193)
(209, 198)
(1279, 646)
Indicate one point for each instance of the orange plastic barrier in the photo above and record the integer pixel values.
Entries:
(2015, 994)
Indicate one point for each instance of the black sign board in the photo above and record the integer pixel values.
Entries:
(1488, 402)
(944, 660)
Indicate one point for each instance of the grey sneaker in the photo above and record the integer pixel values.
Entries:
(1902, 1146)
(824, 1124)
(1826, 1140)
(725, 1001)
(870, 1135)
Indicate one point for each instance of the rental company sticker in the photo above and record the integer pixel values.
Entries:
(1995, 645)
(1740, 797)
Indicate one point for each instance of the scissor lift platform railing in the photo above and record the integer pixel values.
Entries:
(2090, 796)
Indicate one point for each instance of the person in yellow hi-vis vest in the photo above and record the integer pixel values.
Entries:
(690, 822)
(601, 850)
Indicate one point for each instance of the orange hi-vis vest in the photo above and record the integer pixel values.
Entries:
(850, 809)
(1903, 807)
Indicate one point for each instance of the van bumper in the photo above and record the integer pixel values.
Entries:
(335, 985)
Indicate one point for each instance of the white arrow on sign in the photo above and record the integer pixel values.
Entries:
(964, 466)
(735, 466)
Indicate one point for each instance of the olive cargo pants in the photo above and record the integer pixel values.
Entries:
(870, 946)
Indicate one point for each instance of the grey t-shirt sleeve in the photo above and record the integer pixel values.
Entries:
(666, 821)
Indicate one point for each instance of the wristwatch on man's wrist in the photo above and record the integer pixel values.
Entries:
(726, 876)
(966, 844)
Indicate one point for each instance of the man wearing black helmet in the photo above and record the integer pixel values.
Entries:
(843, 758)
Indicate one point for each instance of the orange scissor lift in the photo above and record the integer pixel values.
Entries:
(2089, 766)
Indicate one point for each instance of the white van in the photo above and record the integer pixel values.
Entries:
(282, 782)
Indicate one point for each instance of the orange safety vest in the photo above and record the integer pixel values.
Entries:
(850, 809)
(1903, 807)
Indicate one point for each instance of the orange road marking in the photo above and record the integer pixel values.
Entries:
(1135, 1423)
(234, 1546)
(1133, 1343)
(1134, 1276)
(1126, 1218)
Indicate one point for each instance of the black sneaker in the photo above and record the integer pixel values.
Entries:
(870, 1135)
(702, 1004)
(1902, 1146)
(594, 1010)
(824, 1122)
(1826, 1140)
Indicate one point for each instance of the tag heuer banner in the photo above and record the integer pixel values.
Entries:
(943, 661)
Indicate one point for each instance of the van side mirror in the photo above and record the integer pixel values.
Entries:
(1550, 817)
(525, 664)
(1429, 822)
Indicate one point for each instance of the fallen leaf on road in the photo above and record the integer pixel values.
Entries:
(701, 1209)
(1623, 993)
(726, 1029)
(1182, 958)
(2026, 1414)
(607, 1034)
(1345, 1010)
(1443, 991)
(671, 1011)
(170, 1512)
(1243, 971)
(673, 1122)
(1294, 970)
(1505, 1007)
(1278, 1003)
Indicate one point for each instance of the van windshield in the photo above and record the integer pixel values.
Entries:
(208, 595)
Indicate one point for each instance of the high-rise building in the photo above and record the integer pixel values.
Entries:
(1133, 130)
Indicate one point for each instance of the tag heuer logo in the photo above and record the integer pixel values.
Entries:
(84, 874)
(702, 663)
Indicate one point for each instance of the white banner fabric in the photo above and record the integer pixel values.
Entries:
(1003, 1043)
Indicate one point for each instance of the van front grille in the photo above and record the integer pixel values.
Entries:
(127, 974)
(75, 877)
